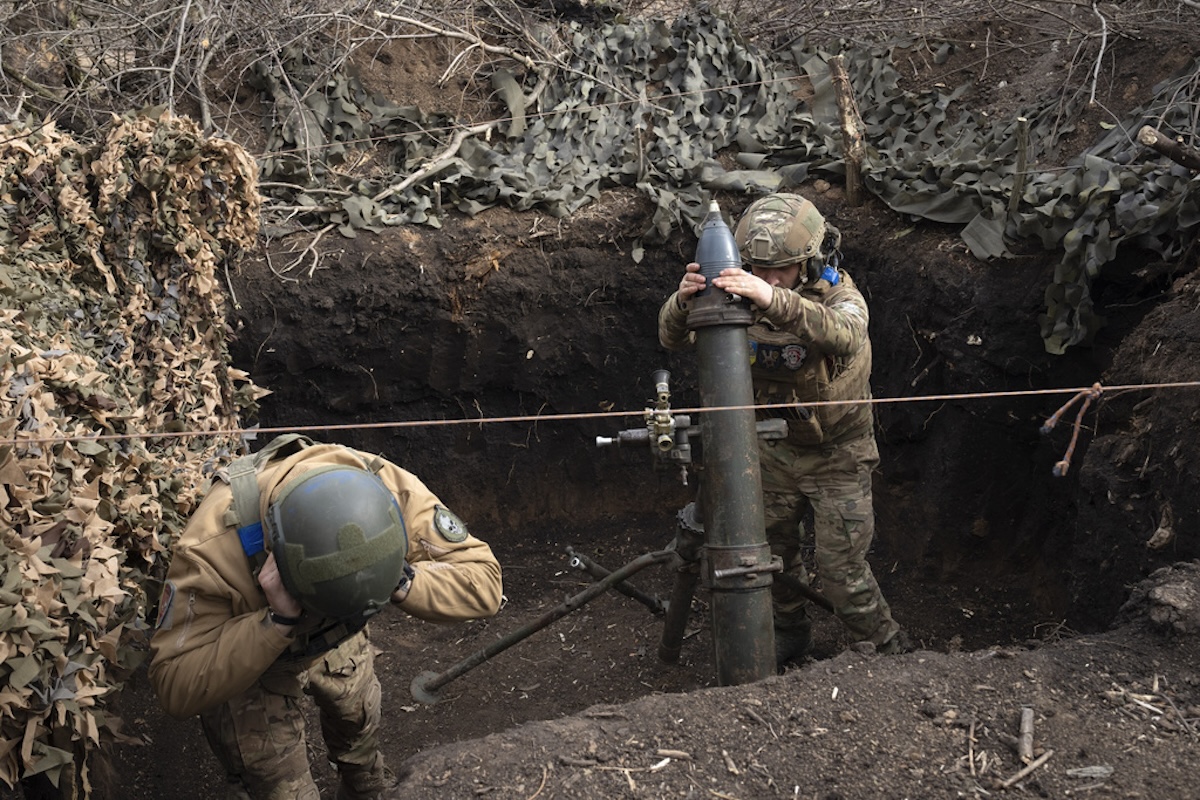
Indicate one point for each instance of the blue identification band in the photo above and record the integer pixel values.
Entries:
(252, 538)
(830, 274)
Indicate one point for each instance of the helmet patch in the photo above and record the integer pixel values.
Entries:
(447, 523)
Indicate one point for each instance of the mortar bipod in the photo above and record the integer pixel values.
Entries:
(688, 544)
(425, 686)
(582, 562)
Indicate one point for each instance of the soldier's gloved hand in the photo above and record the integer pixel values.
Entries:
(401, 590)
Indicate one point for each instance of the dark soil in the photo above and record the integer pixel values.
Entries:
(1008, 578)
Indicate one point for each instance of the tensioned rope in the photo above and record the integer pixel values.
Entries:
(1088, 394)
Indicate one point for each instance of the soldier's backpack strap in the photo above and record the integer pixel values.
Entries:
(242, 476)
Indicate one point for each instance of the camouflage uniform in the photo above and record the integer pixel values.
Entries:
(809, 345)
(259, 737)
(216, 653)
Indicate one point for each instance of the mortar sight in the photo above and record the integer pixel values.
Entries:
(666, 432)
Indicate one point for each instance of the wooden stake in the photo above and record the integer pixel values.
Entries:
(853, 148)
(1018, 187)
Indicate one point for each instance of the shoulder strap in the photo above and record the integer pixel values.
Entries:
(242, 476)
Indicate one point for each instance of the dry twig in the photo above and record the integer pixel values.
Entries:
(1025, 737)
(545, 775)
(1042, 759)
(971, 748)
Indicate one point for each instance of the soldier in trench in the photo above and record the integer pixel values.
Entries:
(808, 342)
(268, 596)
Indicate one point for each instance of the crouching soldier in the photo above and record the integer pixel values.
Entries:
(268, 596)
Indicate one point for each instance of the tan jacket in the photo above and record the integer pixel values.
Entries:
(809, 345)
(214, 639)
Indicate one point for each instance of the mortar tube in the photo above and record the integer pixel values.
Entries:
(735, 529)
(425, 686)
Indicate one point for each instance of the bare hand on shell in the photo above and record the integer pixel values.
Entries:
(732, 280)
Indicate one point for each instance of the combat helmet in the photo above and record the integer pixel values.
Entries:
(780, 230)
(339, 541)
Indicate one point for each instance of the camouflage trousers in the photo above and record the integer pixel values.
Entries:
(259, 736)
(835, 481)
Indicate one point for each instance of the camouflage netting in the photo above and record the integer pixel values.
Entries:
(113, 327)
(651, 105)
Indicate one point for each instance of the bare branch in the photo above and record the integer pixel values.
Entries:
(178, 52)
(474, 40)
(30, 84)
(1176, 151)
(439, 162)
(446, 158)
(1100, 55)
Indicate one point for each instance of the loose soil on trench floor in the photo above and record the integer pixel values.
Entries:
(584, 709)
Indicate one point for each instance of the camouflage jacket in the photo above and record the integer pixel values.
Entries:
(810, 345)
(214, 639)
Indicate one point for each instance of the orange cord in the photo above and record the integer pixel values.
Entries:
(1088, 395)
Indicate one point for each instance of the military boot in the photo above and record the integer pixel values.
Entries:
(793, 638)
(365, 784)
(899, 643)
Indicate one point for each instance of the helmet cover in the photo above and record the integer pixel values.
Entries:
(339, 541)
(780, 230)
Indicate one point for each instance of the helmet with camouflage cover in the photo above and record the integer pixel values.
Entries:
(780, 230)
(339, 541)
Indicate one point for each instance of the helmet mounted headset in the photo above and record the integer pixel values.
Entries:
(782, 230)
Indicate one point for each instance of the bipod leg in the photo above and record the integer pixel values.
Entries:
(689, 540)
(629, 590)
(803, 588)
(425, 686)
